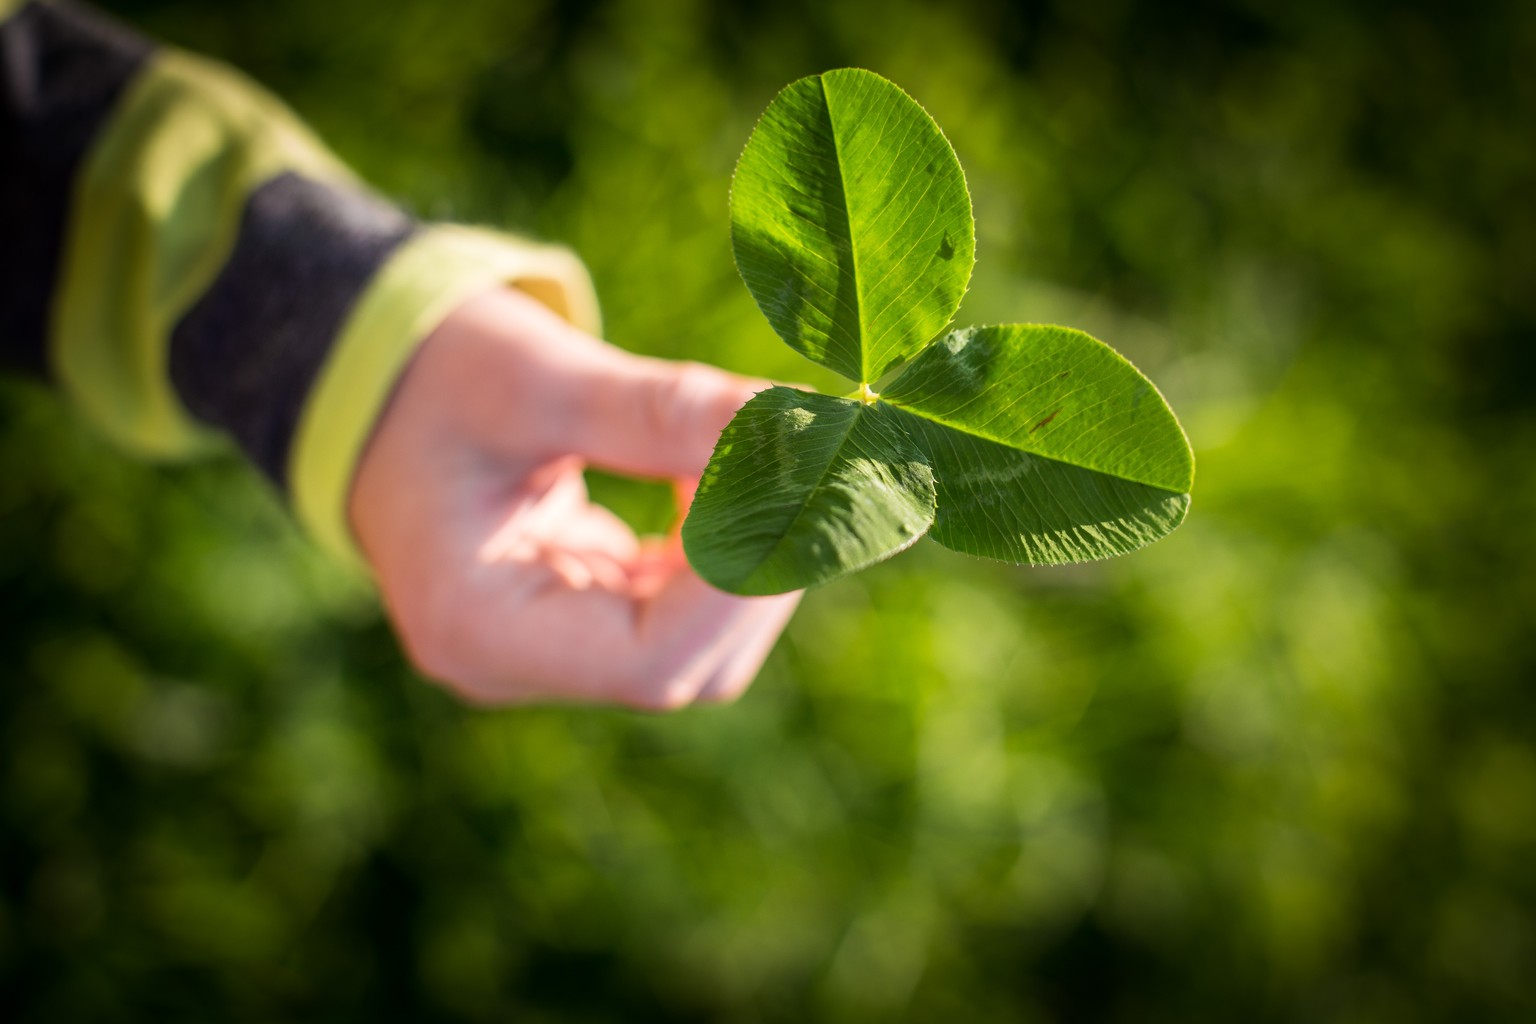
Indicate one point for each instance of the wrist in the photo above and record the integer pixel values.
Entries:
(422, 286)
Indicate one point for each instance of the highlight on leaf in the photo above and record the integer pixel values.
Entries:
(852, 228)
(804, 488)
(851, 223)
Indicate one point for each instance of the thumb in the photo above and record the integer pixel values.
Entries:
(653, 417)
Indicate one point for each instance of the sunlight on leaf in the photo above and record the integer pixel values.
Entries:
(999, 502)
(804, 488)
(1053, 391)
(851, 222)
(852, 229)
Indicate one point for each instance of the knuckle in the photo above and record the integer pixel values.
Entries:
(661, 412)
(661, 701)
(655, 691)
(722, 695)
(688, 398)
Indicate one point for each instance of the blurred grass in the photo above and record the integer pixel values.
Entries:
(1279, 766)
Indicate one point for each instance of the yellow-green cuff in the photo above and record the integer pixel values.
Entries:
(154, 216)
(424, 280)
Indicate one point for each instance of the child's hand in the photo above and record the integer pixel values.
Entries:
(502, 580)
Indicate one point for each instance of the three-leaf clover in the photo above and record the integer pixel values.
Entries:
(852, 228)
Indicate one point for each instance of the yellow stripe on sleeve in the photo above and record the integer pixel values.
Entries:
(156, 209)
(423, 281)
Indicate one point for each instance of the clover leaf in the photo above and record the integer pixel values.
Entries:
(852, 228)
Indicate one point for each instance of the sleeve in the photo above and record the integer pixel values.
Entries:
(184, 261)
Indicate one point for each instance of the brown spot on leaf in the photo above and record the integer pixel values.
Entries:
(1043, 422)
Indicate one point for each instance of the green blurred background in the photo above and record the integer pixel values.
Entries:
(1280, 766)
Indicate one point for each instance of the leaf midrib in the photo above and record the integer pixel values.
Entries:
(810, 492)
(853, 249)
(941, 421)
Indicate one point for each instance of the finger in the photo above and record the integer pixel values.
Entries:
(595, 547)
(591, 548)
(594, 529)
(659, 559)
(529, 384)
(550, 507)
(650, 417)
(550, 640)
(749, 648)
(581, 570)
(683, 491)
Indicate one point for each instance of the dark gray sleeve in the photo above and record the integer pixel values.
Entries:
(62, 70)
(245, 355)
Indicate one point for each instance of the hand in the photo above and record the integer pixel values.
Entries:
(503, 581)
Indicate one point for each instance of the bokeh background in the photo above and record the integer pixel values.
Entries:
(1280, 766)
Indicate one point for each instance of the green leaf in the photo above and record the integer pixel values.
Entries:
(1046, 445)
(803, 488)
(1050, 391)
(852, 228)
(851, 222)
(999, 502)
